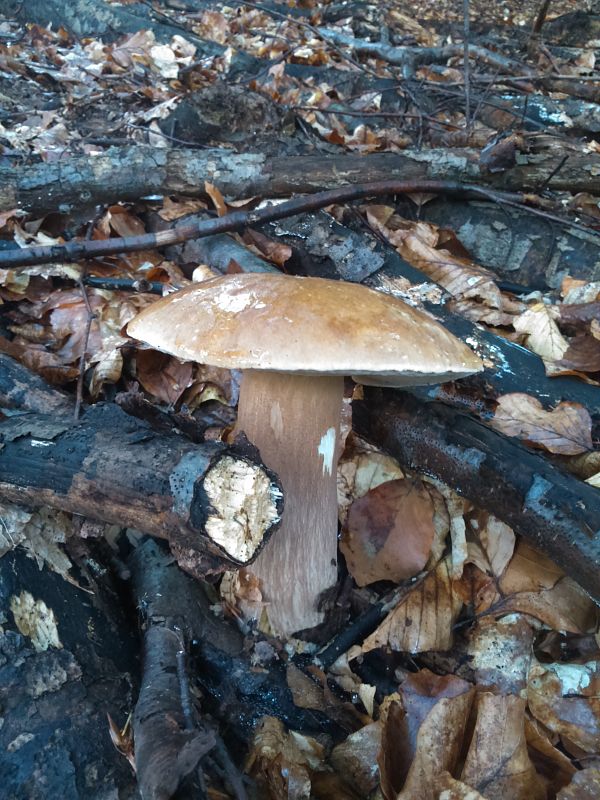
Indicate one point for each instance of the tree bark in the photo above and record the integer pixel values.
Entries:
(128, 173)
(555, 512)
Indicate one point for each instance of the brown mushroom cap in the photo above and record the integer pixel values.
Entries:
(306, 326)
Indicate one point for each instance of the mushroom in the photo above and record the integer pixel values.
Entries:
(295, 339)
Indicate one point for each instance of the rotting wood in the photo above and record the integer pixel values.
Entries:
(555, 512)
(234, 692)
(217, 505)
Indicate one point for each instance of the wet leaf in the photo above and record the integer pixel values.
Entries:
(566, 430)
(389, 532)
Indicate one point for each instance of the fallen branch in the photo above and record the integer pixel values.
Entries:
(80, 183)
(555, 512)
(410, 57)
(239, 220)
(117, 469)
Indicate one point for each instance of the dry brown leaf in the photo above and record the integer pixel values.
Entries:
(582, 354)
(417, 242)
(427, 738)
(361, 469)
(281, 762)
(277, 252)
(306, 693)
(497, 540)
(565, 699)
(389, 532)
(534, 585)
(163, 376)
(542, 333)
(217, 198)
(497, 761)
(566, 430)
(424, 620)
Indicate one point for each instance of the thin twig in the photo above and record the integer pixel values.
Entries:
(239, 220)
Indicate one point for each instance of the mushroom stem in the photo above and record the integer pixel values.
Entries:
(294, 420)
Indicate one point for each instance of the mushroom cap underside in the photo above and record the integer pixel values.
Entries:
(304, 326)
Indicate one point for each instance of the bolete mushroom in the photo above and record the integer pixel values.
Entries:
(295, 339)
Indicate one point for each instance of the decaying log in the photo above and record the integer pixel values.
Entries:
(217, 505)
(128, 173)
(557, 513)
(233, 691)
(55, 738)
(169, 739)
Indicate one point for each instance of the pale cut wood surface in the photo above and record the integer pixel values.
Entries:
(292, 419)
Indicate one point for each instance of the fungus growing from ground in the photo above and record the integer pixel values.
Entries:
(295, 339)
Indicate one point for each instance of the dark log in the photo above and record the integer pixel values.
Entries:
(55, 738)
(536, 256)
(22, 389)
(117, 469)
(332, 250)
(128, 173)
(234, 692)
(555, 512)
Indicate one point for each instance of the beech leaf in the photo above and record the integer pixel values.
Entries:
(566, 430)
(389, 532)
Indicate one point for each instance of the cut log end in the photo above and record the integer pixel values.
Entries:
(244, 504)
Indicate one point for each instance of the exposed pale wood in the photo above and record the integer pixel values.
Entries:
(293, 420)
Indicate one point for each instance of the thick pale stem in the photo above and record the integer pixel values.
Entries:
(295, 422)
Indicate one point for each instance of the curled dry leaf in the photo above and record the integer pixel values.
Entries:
(217, 198)
(497, 761)
(423, 620)
(418, 243)
(534, 585)
(423, 736)
(496, 538)
(565, 699)
(389, 532)
(566, 430)
(163, 376)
